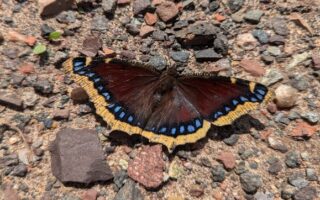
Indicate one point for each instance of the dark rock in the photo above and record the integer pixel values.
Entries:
(133, 29)
(298, 180)
(250, 182)
(207, 55)
(218, 173)
(292, 159)
(11, 101)
(9, 160)
(235, 5)
(99, 23)
(141, 6)
(180, 56)
(253, 16)
(1, 38)
(76, 156)
(66, 17)
(109, 7)
(277, 40)
(232, 140)
(307, 193)
(159, 35)
(43, 87)
(158, 62)
(275, 166)
(46, 30)
(220, 45)
(261, 35)
(280, 26)
(79, 95)
(20, 170)
(129, 191)
(55, 7)
(213, 6)
(197, 34)
(167, 11)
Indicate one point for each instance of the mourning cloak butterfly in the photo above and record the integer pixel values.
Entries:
(164, 107)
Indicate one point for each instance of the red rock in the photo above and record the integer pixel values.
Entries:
(303, 129)
(167, 11)
(147, 167)
(61, 114)
(228, 160)
(150, 18)
(18, 37)
(123, 2)
(253, 67)
(90, 194)
(219, 17)
(26, 68)
(146, 30)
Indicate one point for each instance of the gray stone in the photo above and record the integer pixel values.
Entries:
(220, 45)
(30, 99)
(20, 170)
(141, 6)
(273, 50)
(207, 55)
(277, 145)
(179, 56)
(267, 59)
(232, 140)
(43, 87)
(132, 29)
(311, 174)
(235, 5)
(280, 26)
(246, 154)
(159, 35)
(292, 159)
(311, 117)
(253, 16)
(11, 101)
(300, 83)
(99, 23)
(158, 62)
(129, 191)
(264, 196)
(213, 6)
(76, 156)
(272, 76)
(66, 17)
(250, 182)
(261, 35)
(275, 167)
(307, 193)
(241, 168)
(297, 180)
(180, 24)
(120, 178)
(218, 173)
(109, 7)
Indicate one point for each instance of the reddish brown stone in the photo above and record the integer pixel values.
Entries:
(316, 60)
(90, 194)
(146, 30)
(303, 129)
(253, 67)
(123, 2)
(196, 191)
(272, 108)
(147, 167)
(79, 95)
(167, 11)
(26, 68)
(150, 18)
(228, 160)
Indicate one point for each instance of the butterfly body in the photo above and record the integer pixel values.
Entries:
(163, 107)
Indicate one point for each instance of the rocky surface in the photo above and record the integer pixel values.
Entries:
(272, 153)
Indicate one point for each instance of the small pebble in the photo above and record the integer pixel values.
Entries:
(286, 96)
(218, 173)
(292, 159)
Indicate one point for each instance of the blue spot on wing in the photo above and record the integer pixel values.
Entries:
(121, 115)
(227, 109)
(190, 128)
(78, 63)
(198, 123)
(163, 130)
(130, 118)
(173, 131)
(235, 102)
(181, 129)
(244, 99)
(253, 99)
(262, 92)
(260, 97)
(117, 108)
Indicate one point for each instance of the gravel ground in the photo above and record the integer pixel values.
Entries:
(272, 153)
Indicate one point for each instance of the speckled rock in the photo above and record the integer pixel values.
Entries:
(307, 193)
(218, 173)
(286, 96)
(280, 26)
(235, 5)
(250, 182)
(261, 35)
(207, 55)
(292, 159)
(147, 167)
(271, 77)
(179, 56)
(253, 16)
(158, 62)
(43, 87)
(129, 191)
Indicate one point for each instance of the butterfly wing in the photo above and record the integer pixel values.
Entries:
(221, 100)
